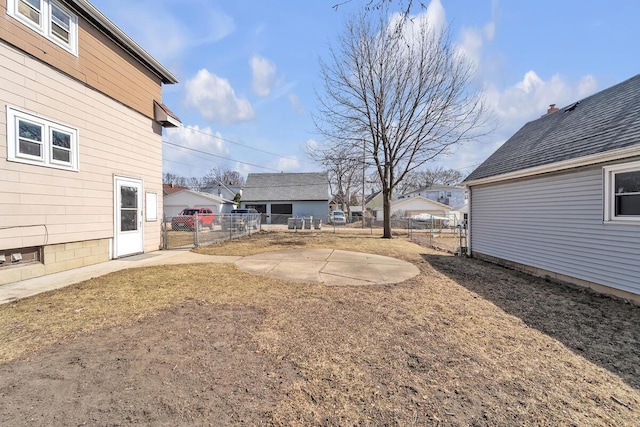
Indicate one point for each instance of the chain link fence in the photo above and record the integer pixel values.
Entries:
(443, 232)
(188, 231)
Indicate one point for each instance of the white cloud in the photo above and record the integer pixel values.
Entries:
(216, 99)
(264, 74)
(529, 98)
(436, 16)
(514, 106)
(295, 103)
(288, 164)
(201, 139)
(471, 44)
(190, 161)
(489, 31)
(193, 27)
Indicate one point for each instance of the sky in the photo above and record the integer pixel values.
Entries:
(249, 69)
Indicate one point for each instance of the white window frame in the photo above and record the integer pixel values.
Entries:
(609, 192)
(48, 126)
(46, 18)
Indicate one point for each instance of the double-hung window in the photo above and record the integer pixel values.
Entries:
(35, 140)
(49, 18)
(622, 192)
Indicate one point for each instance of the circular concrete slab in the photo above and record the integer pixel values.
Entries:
(329, 266)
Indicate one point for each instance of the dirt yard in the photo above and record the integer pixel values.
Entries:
(464, 343)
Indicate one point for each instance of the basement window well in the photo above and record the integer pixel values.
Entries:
(20, 256)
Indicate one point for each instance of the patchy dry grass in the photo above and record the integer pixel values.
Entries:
(464, 343)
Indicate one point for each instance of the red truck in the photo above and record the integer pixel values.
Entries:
(186, 220)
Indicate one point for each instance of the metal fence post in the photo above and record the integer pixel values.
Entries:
(196, 226)
(165, 230)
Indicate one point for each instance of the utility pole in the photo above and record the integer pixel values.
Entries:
(363, 167)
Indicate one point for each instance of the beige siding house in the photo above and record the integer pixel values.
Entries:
(81, 119)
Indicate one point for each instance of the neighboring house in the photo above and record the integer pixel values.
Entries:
(172, 188)
(561, 198)
(283, 195)
(174, 203)
(80, 139)
(373, 204)
(412, 206)
(227, 192)
(451, 195)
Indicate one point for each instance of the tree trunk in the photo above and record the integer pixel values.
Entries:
(386, 211)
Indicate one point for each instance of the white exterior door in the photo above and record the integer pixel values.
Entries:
(128, 238)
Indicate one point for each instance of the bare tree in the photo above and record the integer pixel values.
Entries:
(195, 184)
(169, 178)
(344, 166)
(440, 176)
(402, 88)
(222, 175)
(419, 179)
(405, 5)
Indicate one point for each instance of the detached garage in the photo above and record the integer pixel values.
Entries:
(174, 203)
(280, 196)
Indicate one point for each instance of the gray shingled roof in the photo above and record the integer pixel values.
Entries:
(286, 187)
(605, 121)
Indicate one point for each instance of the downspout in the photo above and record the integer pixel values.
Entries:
(469, 216)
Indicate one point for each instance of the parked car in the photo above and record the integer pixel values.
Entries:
(240, 220)
(186, 220)
(337, 218)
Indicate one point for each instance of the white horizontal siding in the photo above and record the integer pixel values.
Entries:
(555, 223)
(40, 205)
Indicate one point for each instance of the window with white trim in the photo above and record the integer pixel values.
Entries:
(38, 141)
(49, 18)
(622, 192)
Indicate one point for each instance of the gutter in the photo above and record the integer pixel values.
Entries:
(589, 160)
(112, 31)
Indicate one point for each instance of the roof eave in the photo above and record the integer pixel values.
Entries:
(593, 159)
(126, 42)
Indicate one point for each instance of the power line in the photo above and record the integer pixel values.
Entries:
(239, 144)
(191, 164)
(219, 157)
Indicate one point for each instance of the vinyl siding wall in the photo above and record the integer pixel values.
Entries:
(555, 223)
(101, 63)
(58, 206)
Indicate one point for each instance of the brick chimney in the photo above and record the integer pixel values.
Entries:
(552, 109)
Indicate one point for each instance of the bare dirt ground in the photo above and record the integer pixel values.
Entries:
(464, 343)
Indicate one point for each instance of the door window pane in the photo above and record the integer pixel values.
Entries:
(128, 208)
(128, 197)
(128, 220)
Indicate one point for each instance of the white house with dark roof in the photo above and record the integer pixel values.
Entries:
(452, 195)
(81, 119)
(175, 202)
(561, 198)
(283, 195)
